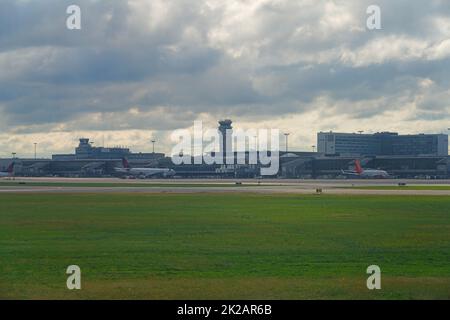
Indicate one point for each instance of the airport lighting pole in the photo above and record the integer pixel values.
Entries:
(13, 155)
(314, 148)
(35, 147)
(287, 140)
(153, 145)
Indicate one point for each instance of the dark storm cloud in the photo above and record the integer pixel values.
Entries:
(261, 58)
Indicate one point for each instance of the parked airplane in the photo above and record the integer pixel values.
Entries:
(143, 172)
(9, 171)
(365, 173)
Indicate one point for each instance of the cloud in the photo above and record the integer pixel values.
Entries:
(151, 66)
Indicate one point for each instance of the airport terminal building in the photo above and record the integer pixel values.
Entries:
(87, 161)
(382, 144)
(85, 150)
(404, 156)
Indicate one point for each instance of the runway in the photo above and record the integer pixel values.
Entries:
(329, 182)
(269, 186)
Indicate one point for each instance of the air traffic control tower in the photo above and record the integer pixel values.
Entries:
(226, 130)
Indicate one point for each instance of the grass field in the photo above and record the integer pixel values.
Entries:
(224, 246)
(423, 187)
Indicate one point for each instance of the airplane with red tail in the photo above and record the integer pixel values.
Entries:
(126, 170)
(9, 171)
(360, 172)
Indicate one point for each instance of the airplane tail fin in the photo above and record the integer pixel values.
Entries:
(10, 168)
(125, 163)
(358, 167)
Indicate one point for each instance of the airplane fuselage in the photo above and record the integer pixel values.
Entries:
(145, 172)
(368, 174)
(373, 173)
(359, 172)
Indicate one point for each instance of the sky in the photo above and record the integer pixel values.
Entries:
(139, 69)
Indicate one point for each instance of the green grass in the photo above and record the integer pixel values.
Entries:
(423, 187)
(224, 246)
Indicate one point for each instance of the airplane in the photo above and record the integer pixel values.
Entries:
(365, 173)
(9, 171)
(143, 172)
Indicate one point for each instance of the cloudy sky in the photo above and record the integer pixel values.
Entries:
(141, 68)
